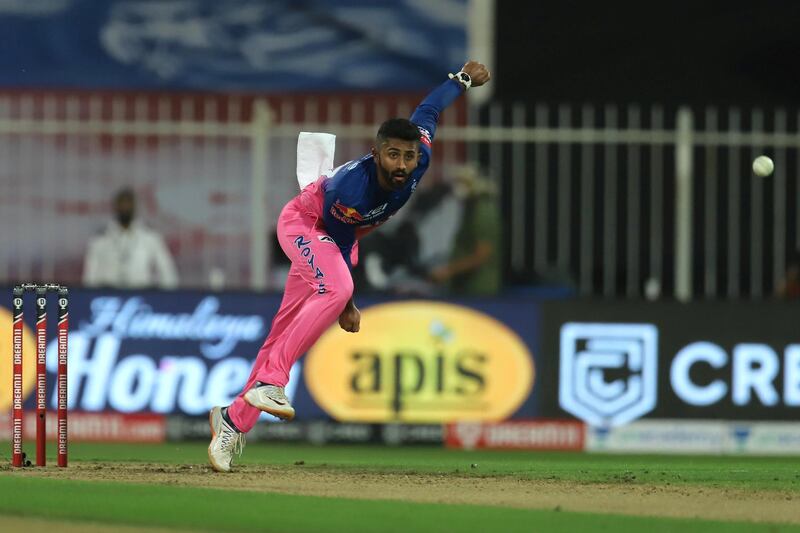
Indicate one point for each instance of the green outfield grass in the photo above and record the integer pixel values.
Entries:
(208, 509)
(194, 508)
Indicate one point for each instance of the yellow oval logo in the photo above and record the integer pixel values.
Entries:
(420, 361)
(7, 367)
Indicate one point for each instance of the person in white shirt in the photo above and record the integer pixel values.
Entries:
(127, 254)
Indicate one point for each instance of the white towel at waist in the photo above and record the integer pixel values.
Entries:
(314, 156)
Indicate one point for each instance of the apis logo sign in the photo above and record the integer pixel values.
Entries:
(6, 368)
(420, 362)
(608, 371)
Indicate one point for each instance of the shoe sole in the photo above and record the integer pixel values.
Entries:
(213, 436)
(282, 414)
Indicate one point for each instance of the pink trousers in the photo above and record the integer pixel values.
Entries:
(317, 290)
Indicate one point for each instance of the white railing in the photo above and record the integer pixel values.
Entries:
(63, 157)
(612, 199)
(211, 173)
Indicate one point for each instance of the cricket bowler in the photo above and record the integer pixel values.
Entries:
(318, 231)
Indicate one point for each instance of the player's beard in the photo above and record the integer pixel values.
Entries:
(394, 180)
(398, 180)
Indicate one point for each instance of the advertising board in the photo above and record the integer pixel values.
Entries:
(183, 352)
(617, 362)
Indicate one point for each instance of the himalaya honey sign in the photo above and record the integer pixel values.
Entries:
(157, 353)
(420, 361)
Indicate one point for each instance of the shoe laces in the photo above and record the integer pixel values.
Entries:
(276, 393)
(232, 439)
(238, 444)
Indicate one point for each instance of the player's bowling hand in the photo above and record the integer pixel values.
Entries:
(477, 72)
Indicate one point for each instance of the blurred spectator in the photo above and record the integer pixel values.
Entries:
(474, 265)
(128, 254)
(399, 257)
(391, 261)
(789, 287)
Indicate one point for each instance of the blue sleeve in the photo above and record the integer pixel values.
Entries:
(343, 234)
(426, 115)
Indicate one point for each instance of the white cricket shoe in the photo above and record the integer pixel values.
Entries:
(225, 441)
(270, 399)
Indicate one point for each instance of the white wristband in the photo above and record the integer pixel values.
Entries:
(462, 78)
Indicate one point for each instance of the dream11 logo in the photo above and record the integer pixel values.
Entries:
(608, 371)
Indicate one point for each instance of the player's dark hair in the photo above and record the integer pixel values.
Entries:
(397, 128)
(126, 193)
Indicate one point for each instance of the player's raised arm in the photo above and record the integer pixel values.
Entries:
(426, 115)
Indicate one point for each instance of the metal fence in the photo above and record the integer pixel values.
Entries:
(211, 173)
(622, 201)
(619, 201)
(190, 161)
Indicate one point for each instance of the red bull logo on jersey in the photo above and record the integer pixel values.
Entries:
(348, 215)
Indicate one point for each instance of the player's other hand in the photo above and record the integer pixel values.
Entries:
(350, 319)
(478, 72)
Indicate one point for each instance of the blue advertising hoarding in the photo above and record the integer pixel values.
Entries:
(180, 353)
(255, 45)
